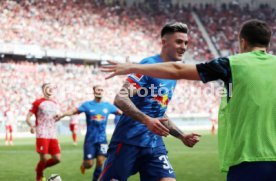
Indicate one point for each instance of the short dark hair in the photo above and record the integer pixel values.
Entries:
(95, 87)
(171, 28)
(256, 33)
(44, 85)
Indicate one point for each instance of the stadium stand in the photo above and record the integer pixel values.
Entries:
(89, 26)
(224, 33)
(109, 28)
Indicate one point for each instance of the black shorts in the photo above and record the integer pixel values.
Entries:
(253, 171)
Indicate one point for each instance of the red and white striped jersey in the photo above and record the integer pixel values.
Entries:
(45, 110)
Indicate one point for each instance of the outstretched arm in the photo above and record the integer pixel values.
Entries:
(188, 139)
(123, 102)
(168, 70)
(67, 113)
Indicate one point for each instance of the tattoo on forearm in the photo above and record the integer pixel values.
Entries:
(123, 102)
(174, 130)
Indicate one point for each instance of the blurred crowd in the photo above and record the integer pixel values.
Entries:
(110, 29)
(84, 25)
(20, 85)
(223, 24)
(117, 30)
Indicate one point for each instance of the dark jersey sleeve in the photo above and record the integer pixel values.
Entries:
(216, 69)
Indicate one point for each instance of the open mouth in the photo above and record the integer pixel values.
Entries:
(180, 53)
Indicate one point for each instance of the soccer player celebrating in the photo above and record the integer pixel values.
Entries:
(136, 144)
(95, 144)
(247, 127)
(44, 110)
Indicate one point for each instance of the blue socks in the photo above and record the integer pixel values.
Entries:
(97, 173)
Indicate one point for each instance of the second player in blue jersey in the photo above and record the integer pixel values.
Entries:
(95, 145)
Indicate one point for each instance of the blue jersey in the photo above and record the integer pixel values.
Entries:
(96, 119)
(153, 98)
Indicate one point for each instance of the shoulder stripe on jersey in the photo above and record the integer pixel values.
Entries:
(135, 84)
(137, 77)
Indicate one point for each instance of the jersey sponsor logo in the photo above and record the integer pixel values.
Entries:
(98, 117)
(137, 77)
(162, 100)
(92, 110)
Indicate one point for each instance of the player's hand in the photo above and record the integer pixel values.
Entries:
(116, 68)
(32, 130)
(155, 125)
(57, 117)
(190, 139)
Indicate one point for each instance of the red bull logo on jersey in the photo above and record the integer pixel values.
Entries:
(162, 100)
(98, 117)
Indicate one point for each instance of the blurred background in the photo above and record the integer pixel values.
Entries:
(66, 41)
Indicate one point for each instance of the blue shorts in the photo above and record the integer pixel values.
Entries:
(253, 171)
(125, 160)
(92, 150)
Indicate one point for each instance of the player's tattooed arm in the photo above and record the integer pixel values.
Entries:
(174, 130)
(188, 139)
(123, 102)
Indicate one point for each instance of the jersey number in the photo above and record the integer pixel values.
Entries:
(166, 163)
(104, 148)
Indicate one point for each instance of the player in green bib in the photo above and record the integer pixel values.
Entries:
(247, 116)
